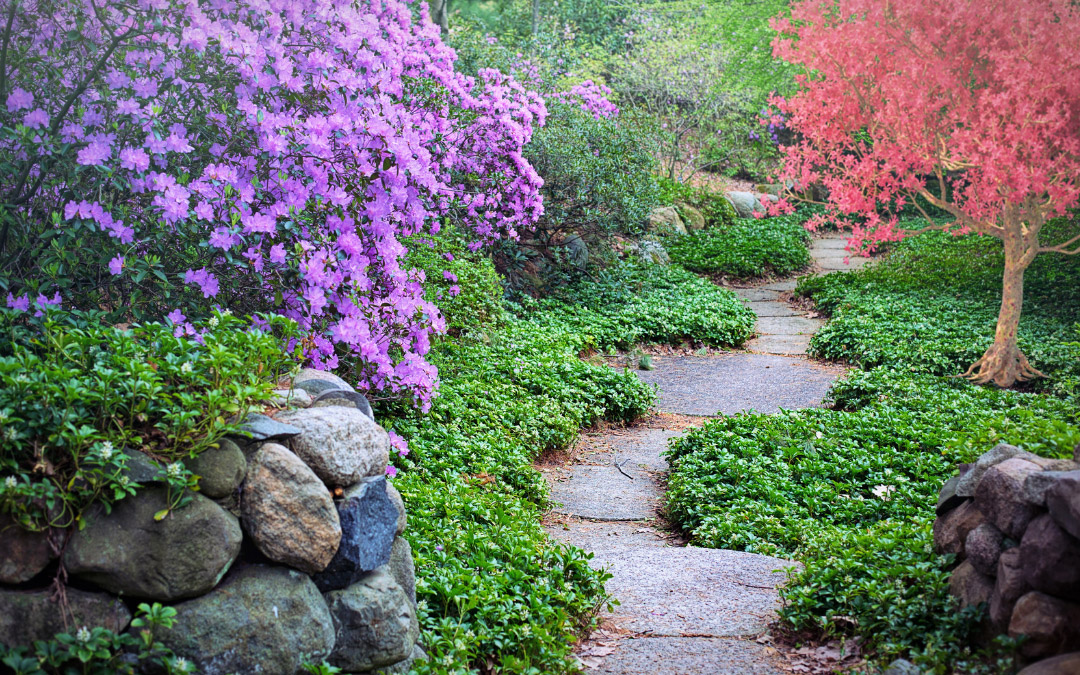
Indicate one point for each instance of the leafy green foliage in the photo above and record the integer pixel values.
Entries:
(638, 303)
(714, 206)
(750, 247)
(99, 651)
(931, 305)
(78, 398)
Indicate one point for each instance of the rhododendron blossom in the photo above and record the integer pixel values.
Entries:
(971, 106)
(272, 155)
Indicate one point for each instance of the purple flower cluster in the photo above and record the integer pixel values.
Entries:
(298, 142)
(592, 97)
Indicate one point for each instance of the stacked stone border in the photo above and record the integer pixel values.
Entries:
(1013, 521)
(290, 552)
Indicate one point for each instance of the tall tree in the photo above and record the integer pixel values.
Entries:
(972, 106)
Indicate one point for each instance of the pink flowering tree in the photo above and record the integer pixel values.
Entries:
(160, 158)
(972, 107)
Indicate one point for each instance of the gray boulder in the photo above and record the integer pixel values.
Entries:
(692, 218)
(129, 553)
(999, 453)
(665, 219)
(951, 530)
(902, 667)
(1037, 484)
(969, 585)
(399, 505)
(140, 469)
(375, 624)
(220, 469)
(745, 203)
(1008, 588)
(344, 397)
(314, 374)
(402, 567)
(947, 498)
(27, 616)
(1066, 664)
(983, 548)
(23, 554)
(288, 512)
(340, 444)
(266, 620)
(650, 251)
(577, 251)
(1000, 495)
(290, 398)
(368, 524)
(404, 667)
(1063, 500)
(258, 427)
(1052, 626)
(1051, 559)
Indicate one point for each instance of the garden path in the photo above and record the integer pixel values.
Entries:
(686, 610)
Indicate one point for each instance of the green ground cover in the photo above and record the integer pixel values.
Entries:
(495, 593)
(745, 248)
(850, 491)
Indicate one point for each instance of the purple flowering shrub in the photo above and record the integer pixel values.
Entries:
(268, 156)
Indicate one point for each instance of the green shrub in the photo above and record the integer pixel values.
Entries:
(637, 303)
(748, 248)
(714, 206)
(77, 398)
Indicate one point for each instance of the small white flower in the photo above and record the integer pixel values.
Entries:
(106, 451)
(11, 482)
(186, 368)
(181, 664)
(174, 470)
(124, 481)
(83, 634)
(884, 491)
(820, 435)
(213, 322)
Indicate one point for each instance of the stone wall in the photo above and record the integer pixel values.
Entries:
(290, 552)
(1013, 520)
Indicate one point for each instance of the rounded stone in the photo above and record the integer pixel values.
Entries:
(288, 512)
(220, 469)
(267, 620)
(23, 554)
(315, 381)
(403, 568)
(969, 585)
(344, 397)
(1000, 495)
(368, 523)
(1066, 664)
(374, 623)
(181, 556)
(983, 547)
(1049, 557)
(1063, 500)
(951, 530)
(399, 504)
(340, 444)
(28, 616)
(1052, 626)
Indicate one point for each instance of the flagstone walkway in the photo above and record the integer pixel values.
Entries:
(686, 610)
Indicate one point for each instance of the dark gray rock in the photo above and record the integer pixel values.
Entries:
(266, 620)
(745, 203)
(1052, 625)
(312, 375)
(402, 567)
(951, 530)
(947, 498)
(1000, 495)
(291, 398)
(314, 388)
(1066, 664)
(141, 469)
(1049, 557)
(403, 667)
(23, 554)
(344, 397)
(970, 480)
(341, 445)
(288, 512)
(368, 523)
(577, 251)
(983, 547)
(969, 585)
(1063, 500)
(399, 505)
(259, 427)
(220, 469)
(374, 622)
(1037, 484)
(27, 616)
(1008, 588)
(130, 553)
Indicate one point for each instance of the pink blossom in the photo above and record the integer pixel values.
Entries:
(116, 265)
(19, 99)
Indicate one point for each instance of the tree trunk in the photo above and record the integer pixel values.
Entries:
(440, 14)
(1003, 363)
(535, 17)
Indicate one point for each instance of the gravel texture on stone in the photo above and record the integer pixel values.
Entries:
(602, 536)
(772, 309)
(603, 493)
(641, 448)
(737, 382)
(757, 294)
(340, 444)
(840, 263)
(702, 591)
(786, 285)
(788, 325)
(688, 656)
(780, 345)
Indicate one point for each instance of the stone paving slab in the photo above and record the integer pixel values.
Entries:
(773, 309)
(691, 590)
(788, 325)
(780, 345)
(757, 294)
(835, 263)
(688, 656)
(738, 381)
(788, 285)
(639, 448)
(829, 243)
(608, 536)
(602, 493)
